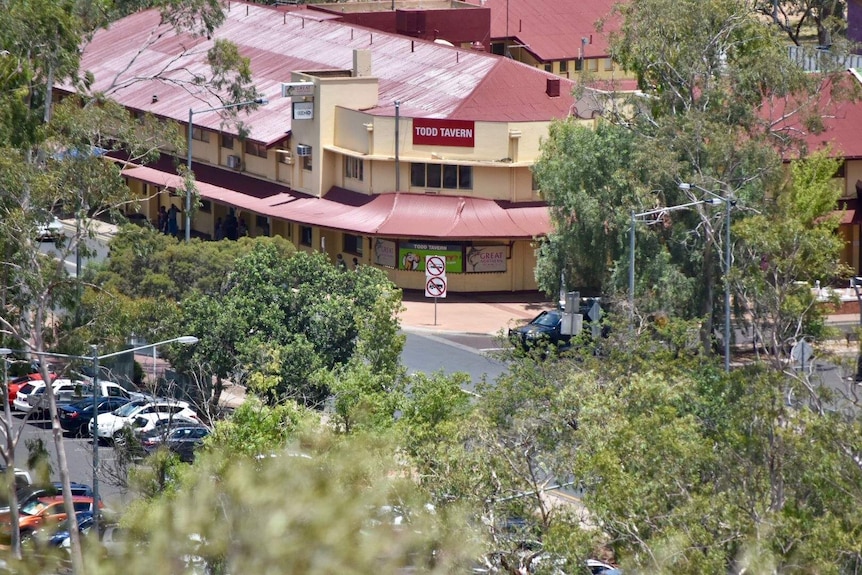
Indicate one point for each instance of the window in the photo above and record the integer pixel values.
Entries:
(446, 176)
(306, 163)
(498, 48)
(284, 156)
(549, 67)
(353, 244)
(305, 235)
(564, 66)
(206, 206)
(353, 168)
(594, 64)
(840, 172)
(200, 134)
(255, 149)
(609, 65)
(579, 64)
(227, 141)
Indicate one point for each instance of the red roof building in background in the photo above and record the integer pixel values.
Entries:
(372, 145)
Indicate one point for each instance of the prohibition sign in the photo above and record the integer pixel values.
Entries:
(435, 287)
(435, 267)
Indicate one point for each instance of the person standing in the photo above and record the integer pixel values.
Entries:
(230, 226)
(162, 221)
(173, 228)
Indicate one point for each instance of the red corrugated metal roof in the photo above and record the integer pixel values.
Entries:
(552, 29)
(394, 215)
(227, 196)
(841, 120)
(422, 216)
(430, 80)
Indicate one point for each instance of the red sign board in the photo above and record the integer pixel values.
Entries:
(431, 132)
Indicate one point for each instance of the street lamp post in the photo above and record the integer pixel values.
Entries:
(728, 204)
(634, 220)
(256, 101)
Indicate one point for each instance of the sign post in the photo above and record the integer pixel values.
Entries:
(435, 279)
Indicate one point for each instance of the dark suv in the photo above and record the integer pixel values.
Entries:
(546, 328)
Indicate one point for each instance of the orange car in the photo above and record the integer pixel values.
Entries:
(43, 511)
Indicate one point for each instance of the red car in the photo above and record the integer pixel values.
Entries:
(18, 382)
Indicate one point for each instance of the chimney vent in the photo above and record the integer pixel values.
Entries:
(361, 63)
(553, 88)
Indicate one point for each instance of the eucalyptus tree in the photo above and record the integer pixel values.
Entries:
(717, 108)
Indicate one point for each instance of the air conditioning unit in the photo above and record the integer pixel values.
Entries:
(234, 162)
(303, 151)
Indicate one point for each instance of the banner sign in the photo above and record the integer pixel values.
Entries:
(411, 256)
(486, 258)
(384, 253)
(432, 132)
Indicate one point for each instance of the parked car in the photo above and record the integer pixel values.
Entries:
(28, 493)
(160, 423)
(182, 440)
(57, 535)
(75, 417)
(50, 230)
(65, 391)
(17, 383)
(111, 423)
(22, 476)
(597, 567)
(44, 511)
(545, 328)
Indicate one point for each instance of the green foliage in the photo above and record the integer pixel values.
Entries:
(332, 511)
(289, 317)
(583, 175)
(785, 249)
(255, 429)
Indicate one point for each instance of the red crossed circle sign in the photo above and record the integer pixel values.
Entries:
(435, 266)
(435, 287)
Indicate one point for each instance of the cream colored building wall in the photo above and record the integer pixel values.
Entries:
(352, 130)
(330, 93)
(518, 276)
(852, 174)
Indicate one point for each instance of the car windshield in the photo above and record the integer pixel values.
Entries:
(33, 508)
(547, 319)
(129, 408)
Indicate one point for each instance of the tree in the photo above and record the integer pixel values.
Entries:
(289, 317)
(53, 164)
(717, 91)
(797, 18)
(785, 249)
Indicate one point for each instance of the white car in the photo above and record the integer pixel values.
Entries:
(111, 423)
(32, 394)
(50, 231)
(65, 391)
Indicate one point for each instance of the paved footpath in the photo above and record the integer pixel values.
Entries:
(471, 313)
